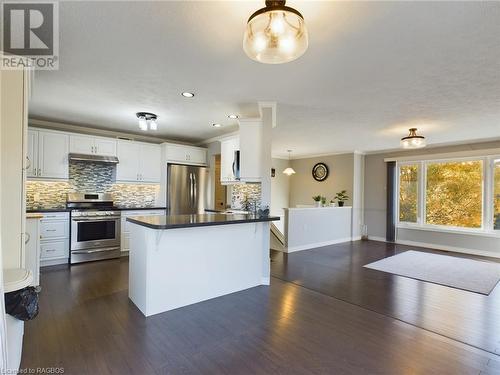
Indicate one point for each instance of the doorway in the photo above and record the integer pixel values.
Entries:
(220, 190)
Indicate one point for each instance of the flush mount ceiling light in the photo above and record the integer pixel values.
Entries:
(289, 171)
(216, 125)
(275, 34)
(147, 121)
(412, 140)
(187, 94)
(233, 117)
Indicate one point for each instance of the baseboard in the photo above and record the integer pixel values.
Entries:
(317, 244)
(376, 238)
(448, 248)
(356, 238)
(53, 262)
(265, 281)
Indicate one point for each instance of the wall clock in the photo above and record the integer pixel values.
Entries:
(320, 172)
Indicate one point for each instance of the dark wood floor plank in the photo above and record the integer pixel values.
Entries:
(88, 325)
(338, 271)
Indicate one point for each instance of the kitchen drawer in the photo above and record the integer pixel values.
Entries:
(54, 249)
(54, 229)
(49, 216)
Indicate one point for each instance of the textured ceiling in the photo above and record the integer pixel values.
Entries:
(373, 69)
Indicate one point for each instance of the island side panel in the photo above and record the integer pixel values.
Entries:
(140, 241)
(190, 265)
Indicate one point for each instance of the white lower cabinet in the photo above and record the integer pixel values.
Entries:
(125, 225)
(54, 238)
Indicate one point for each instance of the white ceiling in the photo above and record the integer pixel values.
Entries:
(372, 70)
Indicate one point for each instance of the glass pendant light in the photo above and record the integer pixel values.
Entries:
(275, 34)
(147, 121)
(289, 171)
(412, 140)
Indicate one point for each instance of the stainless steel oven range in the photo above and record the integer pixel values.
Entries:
(95, 227)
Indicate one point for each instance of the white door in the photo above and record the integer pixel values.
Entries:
(53, 154)
(197, 155)
(32, 153)
(127, 168)
(150, 165)
(105, 146)
(81, 144)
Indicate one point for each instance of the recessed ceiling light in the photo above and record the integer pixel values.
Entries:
(187, 94)
(216, 125)
(233, 116)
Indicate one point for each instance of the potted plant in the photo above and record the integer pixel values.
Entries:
(341, 197)
(317, 200)
(332, 203)
(323, 201)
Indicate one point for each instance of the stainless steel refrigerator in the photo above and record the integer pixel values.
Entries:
(187, 189)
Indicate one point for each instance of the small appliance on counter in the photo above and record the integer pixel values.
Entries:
(95, 227)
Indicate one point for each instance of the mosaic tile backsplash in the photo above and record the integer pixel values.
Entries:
(244, 194)
(89, 177)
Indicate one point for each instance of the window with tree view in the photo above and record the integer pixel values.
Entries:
(454, 194)
(496, 195)
(408, 193)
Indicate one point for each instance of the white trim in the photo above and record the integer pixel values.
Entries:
(446, 155)
(377, 238)
(273, 106)
(53, 262)
(265, 281)
(449, 248)
(317, 244)
(449, 229)
(218, 138)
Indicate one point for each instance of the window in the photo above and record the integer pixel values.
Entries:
(496, 195)
(408, 193)
(459, 194)
(454, 194)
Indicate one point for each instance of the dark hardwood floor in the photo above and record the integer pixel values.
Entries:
(338, 271)
(87, 325)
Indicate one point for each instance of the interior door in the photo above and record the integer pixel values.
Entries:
(180, 190)
(220, 190)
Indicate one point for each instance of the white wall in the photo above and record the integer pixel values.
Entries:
(303, 186)
(358, 195)
(280, 187)
(307, 228)
(375, 206)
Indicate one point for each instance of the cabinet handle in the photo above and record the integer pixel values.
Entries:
(28, 238)
(28, 163)
(49, 250)
(50, 230)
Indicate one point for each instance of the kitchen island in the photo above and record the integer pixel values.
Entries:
(177, 260)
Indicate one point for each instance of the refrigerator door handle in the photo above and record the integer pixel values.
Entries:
(194, 191)
(190, 189)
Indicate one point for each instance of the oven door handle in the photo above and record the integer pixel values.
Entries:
(107, 218)
(94, 251)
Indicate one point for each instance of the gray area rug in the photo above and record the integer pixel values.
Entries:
(467, 274)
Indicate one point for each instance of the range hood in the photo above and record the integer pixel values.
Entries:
(93, 158)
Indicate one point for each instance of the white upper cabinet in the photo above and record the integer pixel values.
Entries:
(53, 150)
(149, 162)
(228, 147)
(32, 153)
(186, 154)
(249, 144)
(251, 150)
(138, 161)
(84, 144)
(105, 146)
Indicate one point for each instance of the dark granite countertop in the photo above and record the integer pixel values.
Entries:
(118, 208)
(186, 221)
